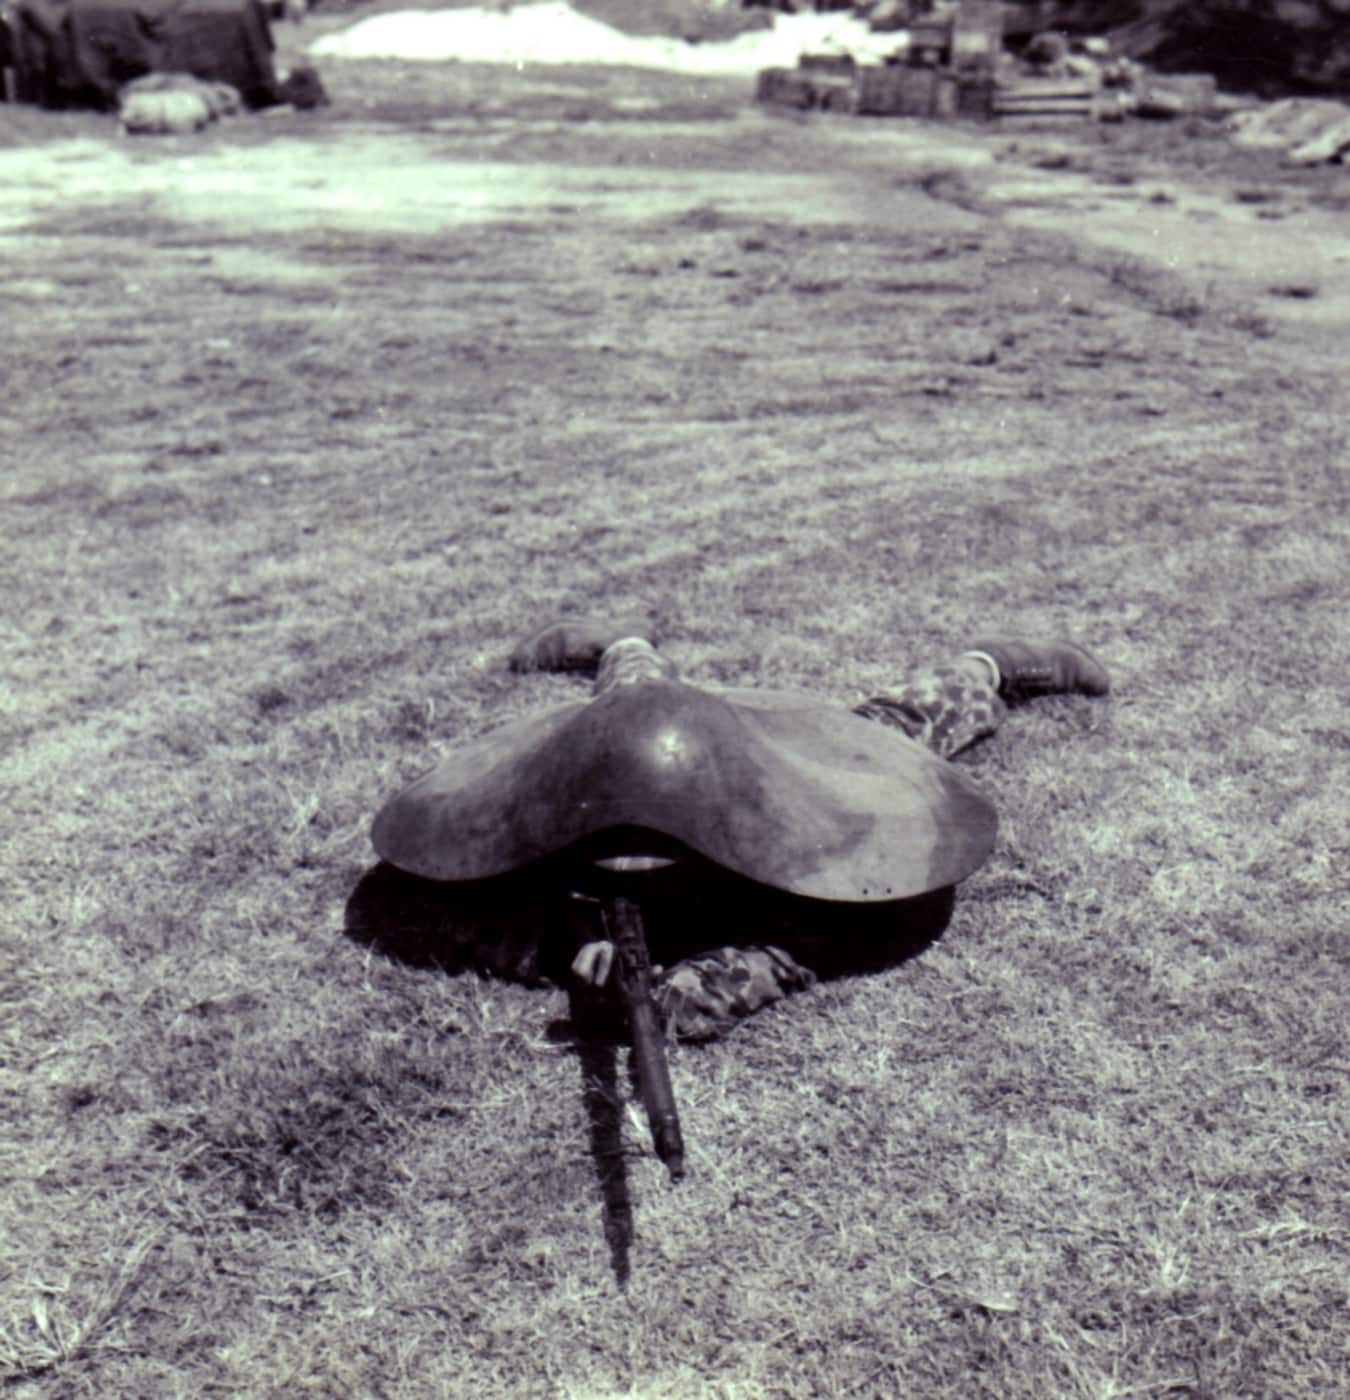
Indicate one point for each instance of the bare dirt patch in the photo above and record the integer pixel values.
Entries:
(435, 146)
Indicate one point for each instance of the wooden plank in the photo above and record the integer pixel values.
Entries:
(1050, 89)
(1034, 110)
(1013, 104)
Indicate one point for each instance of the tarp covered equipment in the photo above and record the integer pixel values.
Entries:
(79, 53)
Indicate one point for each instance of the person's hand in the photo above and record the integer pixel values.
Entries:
(594, 962)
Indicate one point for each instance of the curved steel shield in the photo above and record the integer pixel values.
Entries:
(776, 787)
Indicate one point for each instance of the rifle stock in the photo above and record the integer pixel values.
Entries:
(633, 972)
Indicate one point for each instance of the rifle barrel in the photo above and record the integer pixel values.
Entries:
(633, 970)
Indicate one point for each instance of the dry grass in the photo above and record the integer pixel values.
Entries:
(277, 507)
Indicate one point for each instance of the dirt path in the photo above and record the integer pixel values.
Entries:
(1290, 259)
(548, 146)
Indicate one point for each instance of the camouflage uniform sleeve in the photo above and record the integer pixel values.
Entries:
(703, 997)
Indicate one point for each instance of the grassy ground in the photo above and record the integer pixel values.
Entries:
(277, 506)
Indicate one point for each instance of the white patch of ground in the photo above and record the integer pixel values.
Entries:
(404, 181)
(553, 32)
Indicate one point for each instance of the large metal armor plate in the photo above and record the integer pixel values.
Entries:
(776, 787)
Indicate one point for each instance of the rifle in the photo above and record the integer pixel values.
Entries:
(633, 978)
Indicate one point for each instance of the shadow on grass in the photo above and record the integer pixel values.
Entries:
(523, 926)
(527, 926)
(599, 1061)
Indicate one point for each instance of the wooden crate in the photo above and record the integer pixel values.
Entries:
(896, 90)
(975, 96)
(946, 96)
(805, 90)
(931, 34)
(843, 63)
(930, 42)
(1046, 97)
(1176, 94)
(977, 34)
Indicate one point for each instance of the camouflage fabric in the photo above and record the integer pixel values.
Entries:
(704, 997)
(945, 708)
(629, 660)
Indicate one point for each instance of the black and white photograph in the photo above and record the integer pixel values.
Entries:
(675, 708)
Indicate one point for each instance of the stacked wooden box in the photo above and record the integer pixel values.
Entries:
(896, 90)
(1046, 97)
(808, 89)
